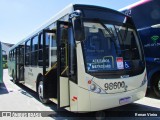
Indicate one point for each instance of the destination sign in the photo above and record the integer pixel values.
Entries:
(100, 64)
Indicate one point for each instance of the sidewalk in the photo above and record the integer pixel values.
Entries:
(14, 98)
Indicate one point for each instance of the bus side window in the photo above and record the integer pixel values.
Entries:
(34, 50)
(10, 55)
(17, 54)
(10, 58)
(40, 50)
(22, 54)
(53, 49)
(47, 48)
(14, 54)
(27, 53)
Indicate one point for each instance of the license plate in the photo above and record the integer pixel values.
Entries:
(125, 100)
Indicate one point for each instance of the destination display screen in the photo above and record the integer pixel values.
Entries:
(100, 63)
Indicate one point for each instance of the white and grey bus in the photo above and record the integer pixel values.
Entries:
(86, 58)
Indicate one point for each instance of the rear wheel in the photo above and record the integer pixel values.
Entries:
(156, 85)
(40, 93)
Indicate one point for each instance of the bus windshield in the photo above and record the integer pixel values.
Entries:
(109, 47)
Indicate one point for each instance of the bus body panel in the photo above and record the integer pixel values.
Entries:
(84, 100)
(151, 48)
(81, 69)
(120, 85)
(64, 91)
(31, 74)
(73, 93)
(147, 23)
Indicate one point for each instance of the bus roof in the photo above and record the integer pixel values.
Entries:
(135, 4)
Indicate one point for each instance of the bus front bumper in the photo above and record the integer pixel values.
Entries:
(106, 101)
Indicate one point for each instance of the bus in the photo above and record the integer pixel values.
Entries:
(4, 59)
(147, 22)
(1, 67)
(82, 61)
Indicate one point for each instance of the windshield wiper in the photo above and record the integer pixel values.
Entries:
(106, 28)
(126, 34)
(124, 38)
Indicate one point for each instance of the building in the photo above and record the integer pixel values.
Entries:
(6, 47)
(5, 52)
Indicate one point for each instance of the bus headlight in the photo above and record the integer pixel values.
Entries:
(93, 87)
(98, 90)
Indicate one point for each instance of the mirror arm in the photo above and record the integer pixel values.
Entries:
(75, 14)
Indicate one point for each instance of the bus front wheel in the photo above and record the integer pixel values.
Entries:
(156, 85)
(40, 93)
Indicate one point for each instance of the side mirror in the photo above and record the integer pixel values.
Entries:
(78, 30)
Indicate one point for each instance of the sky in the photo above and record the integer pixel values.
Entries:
(19, 18)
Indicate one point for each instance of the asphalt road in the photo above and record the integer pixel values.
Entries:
(19, 98)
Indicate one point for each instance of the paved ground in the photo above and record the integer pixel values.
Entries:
(16, 98)
(19, 99)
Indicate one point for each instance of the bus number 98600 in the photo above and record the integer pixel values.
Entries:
(115, 85)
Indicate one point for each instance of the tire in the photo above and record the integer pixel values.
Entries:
(40, 93)
(156, 85)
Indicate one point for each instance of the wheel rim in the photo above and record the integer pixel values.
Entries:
(40, 90)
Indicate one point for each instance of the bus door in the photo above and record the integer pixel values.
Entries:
(49, 64)
(20, 63)
(63, 93)
(17, 56)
